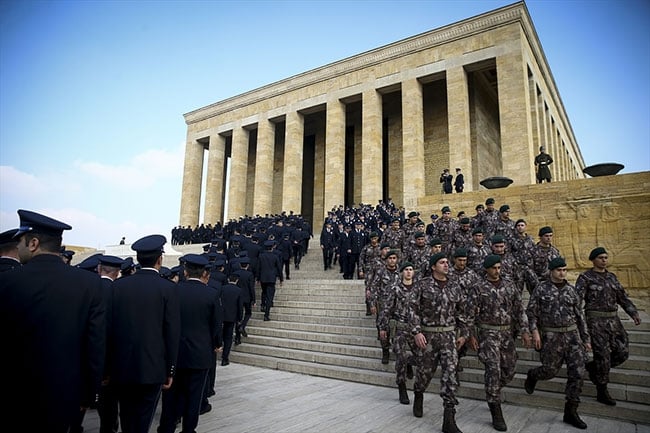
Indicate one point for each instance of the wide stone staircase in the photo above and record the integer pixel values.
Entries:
(318, 327)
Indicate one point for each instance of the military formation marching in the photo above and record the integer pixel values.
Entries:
(118, 335)
(458, 283)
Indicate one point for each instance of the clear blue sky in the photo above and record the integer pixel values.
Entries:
(92, 93)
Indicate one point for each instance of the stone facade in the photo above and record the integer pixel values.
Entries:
(608, 211)
(477, 94)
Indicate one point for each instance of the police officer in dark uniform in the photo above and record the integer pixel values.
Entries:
(201, 319)
(53, 322)
(8, 251)
(145, 333)
(231, 300)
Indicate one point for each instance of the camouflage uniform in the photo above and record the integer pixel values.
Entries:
(369, 261)
(522, 249)
(498, 314)
(443, 230)
(476, 255)
(461, 239)
(556, 314)
(505, 228)
(394, 316)
(541, 257)
(488, 221)
(467, 280)
(382, 283)
(419, 256)
(394, 238)
(438, 314)
(601, 292)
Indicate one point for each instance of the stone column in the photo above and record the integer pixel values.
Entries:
(215, 181)
(192, 179)
(334, 155)
(412, 143)
(371, 142)
(460, 142)
(238, 168)
(514, 114)
(293, 150)
(263, 192)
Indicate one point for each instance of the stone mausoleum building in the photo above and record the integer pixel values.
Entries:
(477, 94)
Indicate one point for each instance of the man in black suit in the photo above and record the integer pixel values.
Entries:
(9, 251)
(53, 324)
(145, 333)
(201, 320)
(270, 270)
(231, 300)
(359, 240)
(328, 244)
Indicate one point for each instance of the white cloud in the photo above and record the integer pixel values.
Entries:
(101, 202)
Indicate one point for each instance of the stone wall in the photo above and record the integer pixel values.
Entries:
(608, 211)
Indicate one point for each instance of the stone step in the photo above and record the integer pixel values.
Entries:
(629, 411)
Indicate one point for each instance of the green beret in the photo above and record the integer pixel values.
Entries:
(445, 209)
(489, 201)
(460, 252)
(477, 230)
(406, 265)
(545, 230)
(497, 239)
(435, 241)
(373, 235)
(491, 260)
(395, 219)
(435, 258)
(413, 214)
(504, 208)
(419, 235)
(520, 220)
(557, 262)
(464, 220)
(392, 253)
(384, 245)
(596, 252)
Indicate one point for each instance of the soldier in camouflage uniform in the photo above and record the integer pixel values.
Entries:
(478, 251)
(510, 268)
(444, 228)
(369, 256)
(418, 254)
(522, 250)
(560, 333)
(543, 253)
(394, 236)
(498, 313)
(489, 217)
(477, 219)
(601, 292)
(393, 319)
(436, 318)
(467, 280)
(409, 226)
(504, 226)
(462, 236)
(380, 287)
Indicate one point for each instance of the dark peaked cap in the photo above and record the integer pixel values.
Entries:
(37, 223)
(113, 261)
(149, 244)
(8, 236)
(196, 260)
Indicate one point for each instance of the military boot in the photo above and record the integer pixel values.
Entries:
(571, 415)
(603, 395)
(385, 354)
(591, 369)
(497, 417)
(449, 421)
(530, 383)
(409, 371)
(417, 404)
(403, 395)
